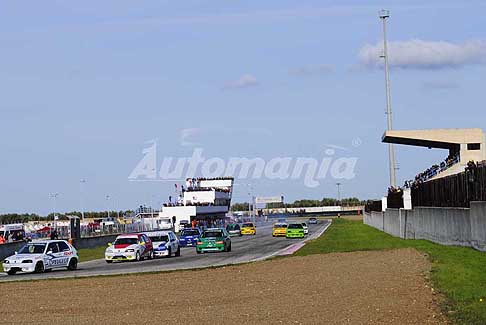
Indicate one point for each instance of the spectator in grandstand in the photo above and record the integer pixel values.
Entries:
(471, 165)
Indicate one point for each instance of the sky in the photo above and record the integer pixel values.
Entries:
(86, 85)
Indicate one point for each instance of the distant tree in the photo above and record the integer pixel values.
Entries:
(18, 218)
(243, 206)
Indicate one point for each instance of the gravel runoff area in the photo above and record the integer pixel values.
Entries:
(358, 287)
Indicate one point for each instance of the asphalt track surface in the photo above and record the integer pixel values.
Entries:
(244, 249)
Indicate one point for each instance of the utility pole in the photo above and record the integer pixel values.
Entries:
(384, 14)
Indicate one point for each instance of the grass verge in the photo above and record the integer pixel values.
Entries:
(88, 254)
(459, 273)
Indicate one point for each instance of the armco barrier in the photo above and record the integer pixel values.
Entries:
(447, 226)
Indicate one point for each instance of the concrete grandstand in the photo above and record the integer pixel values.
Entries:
(464, 145)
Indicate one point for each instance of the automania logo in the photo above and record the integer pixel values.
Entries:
(308, 169)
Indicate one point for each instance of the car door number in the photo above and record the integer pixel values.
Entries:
(57, 261)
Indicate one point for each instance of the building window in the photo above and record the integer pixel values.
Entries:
(473, 146)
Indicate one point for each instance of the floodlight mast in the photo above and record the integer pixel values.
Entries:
(384, 14)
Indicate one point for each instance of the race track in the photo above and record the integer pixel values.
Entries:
(244, 249)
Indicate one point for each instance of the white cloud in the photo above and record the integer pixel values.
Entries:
(312, 70)
(418, 54)
(245, 81)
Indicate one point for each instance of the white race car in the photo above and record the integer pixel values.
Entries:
(165, 243)
(130, 247)
(306, 228)
(42, 256)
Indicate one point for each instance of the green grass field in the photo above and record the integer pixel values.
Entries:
(89, 254)
(458, 273)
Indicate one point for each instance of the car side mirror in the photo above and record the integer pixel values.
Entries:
(142, 243)
(16, 252)
(110, 244)
(49, 252)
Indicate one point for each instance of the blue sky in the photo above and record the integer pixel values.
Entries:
(85, 84)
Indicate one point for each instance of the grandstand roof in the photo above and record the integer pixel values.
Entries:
(435, 138)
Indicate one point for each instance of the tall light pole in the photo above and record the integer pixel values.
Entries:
(384, 14)
(108, 204)
(81, 192)
(249, 201)
(54, 197)
(338, 192)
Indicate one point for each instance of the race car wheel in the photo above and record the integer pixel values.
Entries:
(137, 257)
(39, 267)
(11, 272)
(229, 248)
(108, 261)
(73, 264)
(170, 253)
(198, 252)
(178, 252)
(151, 255)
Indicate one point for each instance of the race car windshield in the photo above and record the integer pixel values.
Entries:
(247, 225)
(295, 226)
(159, 238)
(33, 249)
(212, 234)
(126, 241)
(233, 227)
(189, 233)
(280, 226)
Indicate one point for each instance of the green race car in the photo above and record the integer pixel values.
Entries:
(214, 240)
(295, 230)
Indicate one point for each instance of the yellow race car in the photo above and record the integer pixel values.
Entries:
(279, 229)
(248, 228)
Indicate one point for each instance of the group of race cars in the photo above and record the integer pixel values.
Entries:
(292, 230)
(43, 256)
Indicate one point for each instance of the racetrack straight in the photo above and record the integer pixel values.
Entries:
(244, 249)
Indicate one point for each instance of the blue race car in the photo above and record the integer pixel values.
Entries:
(189, 237)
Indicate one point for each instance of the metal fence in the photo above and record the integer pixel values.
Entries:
(101, 230)
(452, 191)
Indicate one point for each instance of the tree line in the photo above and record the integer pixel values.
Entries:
(26, 217)
(352, 201)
